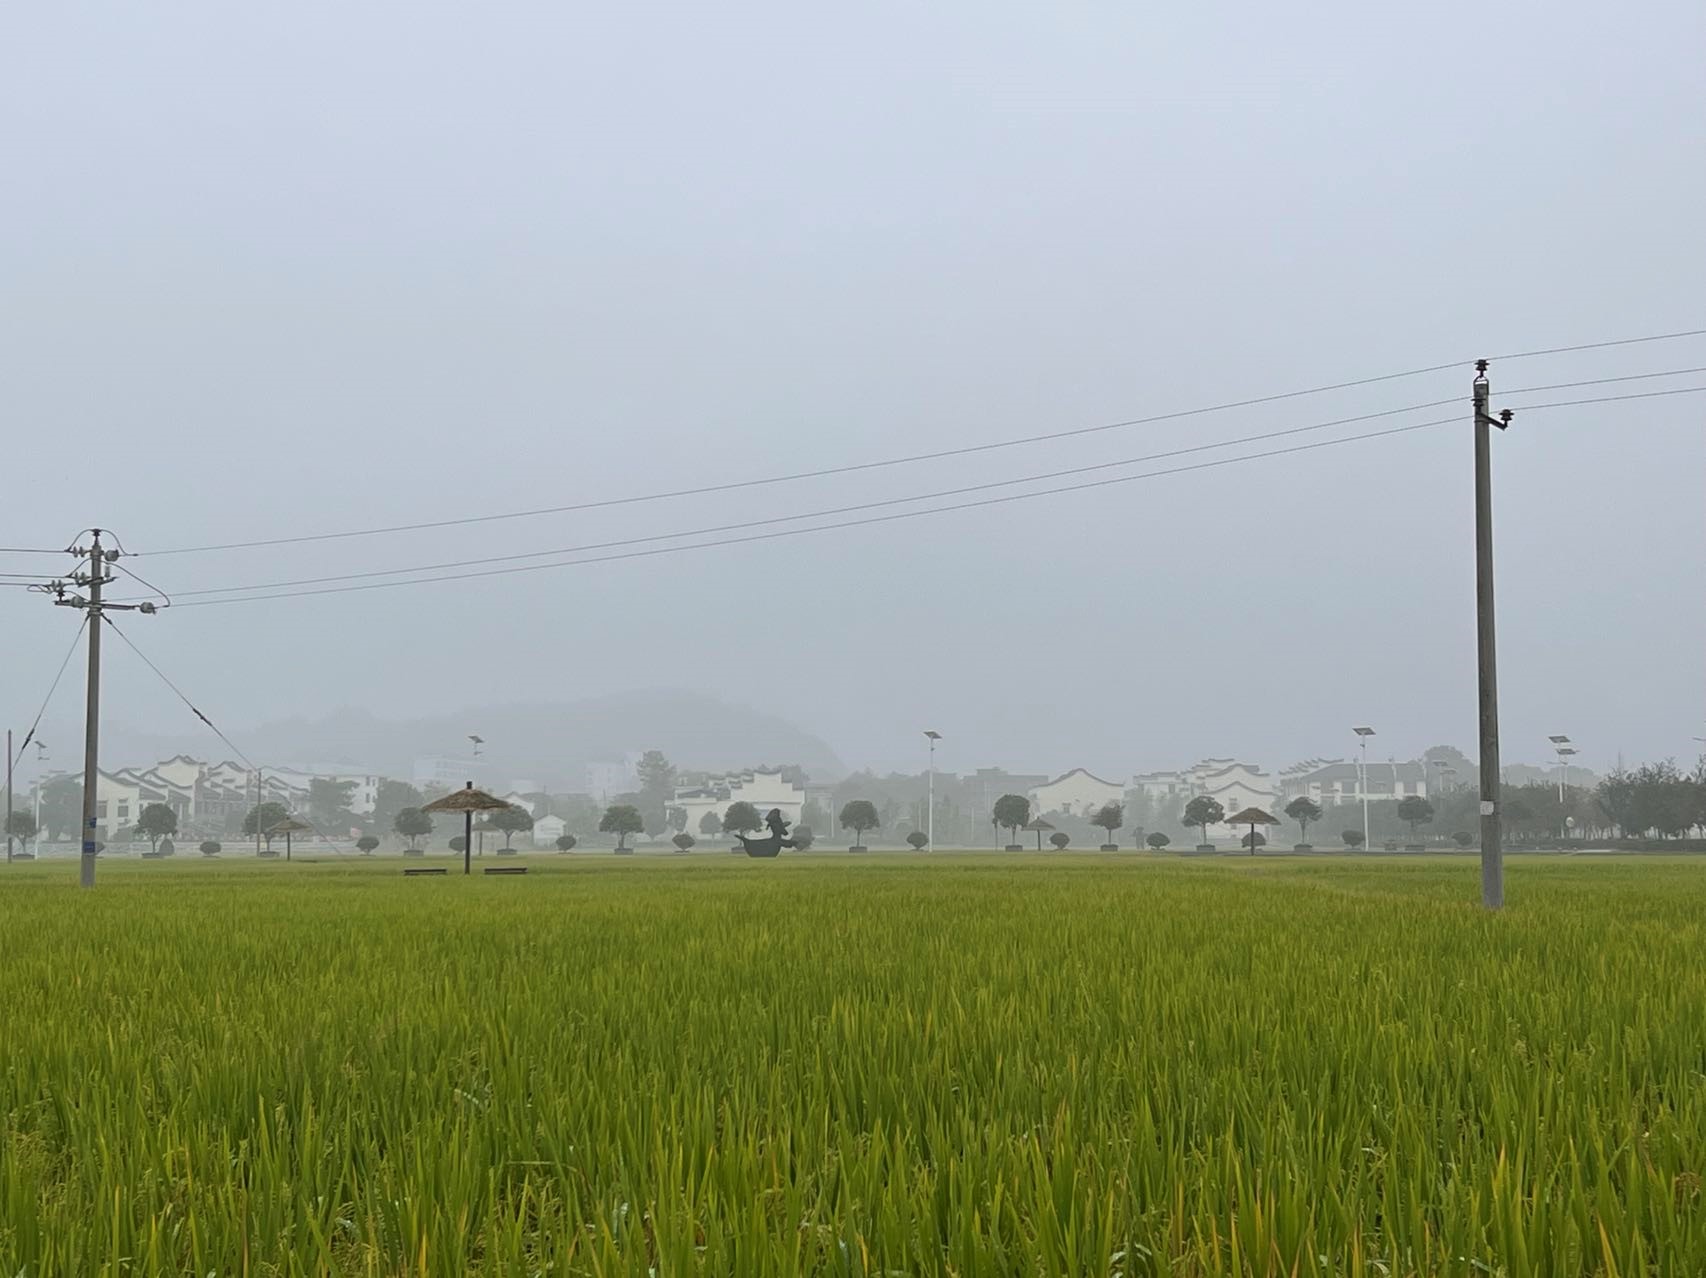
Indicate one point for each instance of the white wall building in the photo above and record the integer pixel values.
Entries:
(1232, 784)
(1332, 781)
(1077, 793)
(764, 790)
(438, 774)
(607, 778)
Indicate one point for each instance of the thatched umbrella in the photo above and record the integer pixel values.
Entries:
(287, 827)
(467, 801)
(1039, 825)
(1252, 817)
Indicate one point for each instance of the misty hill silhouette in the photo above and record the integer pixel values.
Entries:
(547, 742)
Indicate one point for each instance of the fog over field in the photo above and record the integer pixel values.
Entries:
(282, 272)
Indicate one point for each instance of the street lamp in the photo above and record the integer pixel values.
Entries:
(930, 817)
(1363, 735)
(1562, 747)
(41, 758)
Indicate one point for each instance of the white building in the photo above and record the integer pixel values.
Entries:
(1232, 784)
(607, 778)
(764, 790)
(547, 830)
(1076, 793)
(1331, 781)
(438, 774)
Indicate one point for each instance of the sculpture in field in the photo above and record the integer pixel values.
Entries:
(773, 845)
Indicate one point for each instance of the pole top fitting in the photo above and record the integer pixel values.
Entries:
(1481, 367)
(1505, 416)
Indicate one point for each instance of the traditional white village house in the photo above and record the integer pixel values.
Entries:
(1232, 784)
(1077, 793)
(547, 830)
(1331, 781)
(764, 790)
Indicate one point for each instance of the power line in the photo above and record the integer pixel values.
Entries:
(1606, 381)
(52, 688)
(292, 584)
(181, 695)
(1600, 346)
(821, 473)
(848, 523)
(856, 467)
(819, 514)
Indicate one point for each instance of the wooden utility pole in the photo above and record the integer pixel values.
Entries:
(1492, 852)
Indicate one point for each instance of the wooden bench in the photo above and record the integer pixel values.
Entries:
(505, 869)
(411, 871)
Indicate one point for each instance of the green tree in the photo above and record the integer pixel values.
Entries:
(367, 844)
(329, 805)
(155, 823)
(657, 788)
(1203, 812)
(1615, 796)
(390, 799)
(859, 815)
(263, 817)
(62, 806)
(1303, 810)
(1415, 811)
(1012, 813)
(621, 819)
(742, 818)
(412, 824)
(1351, 838)
(21, 825)
(1110, 817)
(710, 823)
(803, 838)
(511, 820)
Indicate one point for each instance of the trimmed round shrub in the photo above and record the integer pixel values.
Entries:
(565, 842)
(683, 841)
(367, 843)
(1158, 840)
(917, 840)
(210, 848)
(1059, 839)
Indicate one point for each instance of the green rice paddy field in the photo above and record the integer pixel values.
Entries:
(832, 1065)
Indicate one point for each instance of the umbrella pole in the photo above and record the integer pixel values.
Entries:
(467, 842)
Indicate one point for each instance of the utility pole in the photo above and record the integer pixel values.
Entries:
(930, 816)
(8, 796)
(94, 578)
(1492, 853)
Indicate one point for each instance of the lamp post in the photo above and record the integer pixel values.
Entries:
(41, 758)
(930, 816)
(1563, 749)
(1363, 734)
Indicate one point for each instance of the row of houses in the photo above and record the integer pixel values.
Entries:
(207, 798)
(1234, 784)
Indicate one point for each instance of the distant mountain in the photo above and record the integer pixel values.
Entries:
(550, 743)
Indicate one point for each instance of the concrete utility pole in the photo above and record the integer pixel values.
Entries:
(95, 577)
(1492, 853)
(8, 796)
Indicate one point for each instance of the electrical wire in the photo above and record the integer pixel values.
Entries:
(938, 455)
(52, 688)
(1600, 346)
(140, 579)
(229, 743)
(847, 523)
(293, 584)
(818, 514)
(1604, 381)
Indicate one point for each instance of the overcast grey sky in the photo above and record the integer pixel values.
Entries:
(272, 270)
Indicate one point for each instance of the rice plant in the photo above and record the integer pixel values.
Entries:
(950, 1065)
